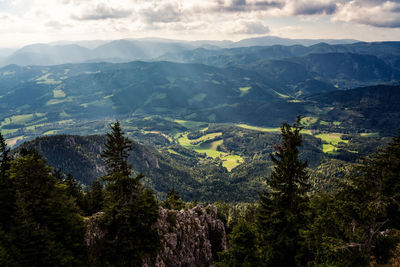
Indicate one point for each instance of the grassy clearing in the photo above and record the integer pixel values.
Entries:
(332, 138)
(307, 121)
(56, 101)
(281, 95)
(201, 145)
(58, 93)
(244, 90)
(13, 141)
(21, 119)
(331, 141)
(231, 161)
(261, 129)
(46, 80)
(190, 124)
(324, 123)
(207, 148)
(328, 148)
(369, 134)
(50, 132)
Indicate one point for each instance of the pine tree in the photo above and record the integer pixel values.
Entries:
(117, 152)
(47, 229)
(4, 157)
(95, 198)
(243, 247)
(6, 201)
(130, 209)
(174, 200)
(282, 205)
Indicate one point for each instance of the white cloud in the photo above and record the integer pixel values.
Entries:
(373, 13)
(193, 19)
(250, 27)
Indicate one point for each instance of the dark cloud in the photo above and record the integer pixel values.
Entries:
(101, 11)
(388, 23)
(245, 6)
(162, 13)
(313, 8)
(269, 4)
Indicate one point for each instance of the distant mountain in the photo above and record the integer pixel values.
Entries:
(125, 50)
(129, 50)
(342, 66)
(44, 54)
(4, 52)
(388, 51)
(273, 40)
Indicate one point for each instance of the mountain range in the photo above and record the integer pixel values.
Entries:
(128, 49)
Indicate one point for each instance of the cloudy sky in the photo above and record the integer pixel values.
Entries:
(31, 21)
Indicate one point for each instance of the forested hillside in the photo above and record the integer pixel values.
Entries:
(42, 208)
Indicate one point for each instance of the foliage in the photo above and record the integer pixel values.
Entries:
(116, 152)
(358, 223)
(174, 200)
(46, 228)
(283, 204)
(243, 250)
(130, 209)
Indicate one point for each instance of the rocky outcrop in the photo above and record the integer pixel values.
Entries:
(190, 237)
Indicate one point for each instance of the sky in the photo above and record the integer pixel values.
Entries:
(25, 22)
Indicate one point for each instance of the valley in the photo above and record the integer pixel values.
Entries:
(207, 129)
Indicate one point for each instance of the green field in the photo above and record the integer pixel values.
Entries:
(331, 141)
(261, 129)
(202, 145)
(231, 161)
(244, 90)
(307, 121)
(21, 119)
(58, 93)
(369, 134)
(46, 80)
(190, 124)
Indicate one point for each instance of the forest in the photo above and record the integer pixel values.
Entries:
(354, 220)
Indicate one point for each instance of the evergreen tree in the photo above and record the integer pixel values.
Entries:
(6, 186)
(174, 200)
(47, 229)
(95, 198)
(74, 190)
(282, 205)
(4, 157)
(6, 202)
(130, 210)
(117, 152)
(243, 250)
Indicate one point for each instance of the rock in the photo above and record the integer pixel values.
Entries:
(188, 237)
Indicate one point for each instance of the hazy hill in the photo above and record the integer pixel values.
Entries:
(274, 40)
(128, 49)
